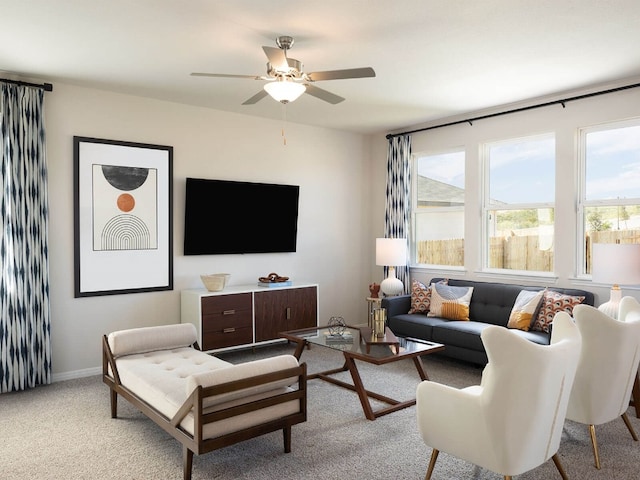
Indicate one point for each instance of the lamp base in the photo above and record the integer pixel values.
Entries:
(611, 307)
(391, 286)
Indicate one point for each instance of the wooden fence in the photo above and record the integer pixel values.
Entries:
(514, 252)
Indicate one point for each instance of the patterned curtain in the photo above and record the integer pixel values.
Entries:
(25, 328)
(396, 219)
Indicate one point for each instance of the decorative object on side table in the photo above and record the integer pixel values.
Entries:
(274, 280)
(215, 282)
(617, 264)
(374, 290)
(391, 252)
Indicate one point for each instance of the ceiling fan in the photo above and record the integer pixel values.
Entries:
(286, 80)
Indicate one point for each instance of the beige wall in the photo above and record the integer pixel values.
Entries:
(336, 231)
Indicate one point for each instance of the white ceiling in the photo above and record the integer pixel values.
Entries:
(433, 58)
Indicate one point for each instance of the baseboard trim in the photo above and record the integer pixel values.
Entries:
(87, 372)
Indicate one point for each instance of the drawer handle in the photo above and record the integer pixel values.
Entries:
(229, 312)
(228, 330)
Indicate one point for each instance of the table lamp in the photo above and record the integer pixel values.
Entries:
(618, 264)
(391, 252)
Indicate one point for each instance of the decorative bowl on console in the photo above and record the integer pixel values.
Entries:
(215, 282)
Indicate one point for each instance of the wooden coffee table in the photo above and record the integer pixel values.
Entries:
(386, 350)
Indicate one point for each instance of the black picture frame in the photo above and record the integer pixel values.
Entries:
(123, 217)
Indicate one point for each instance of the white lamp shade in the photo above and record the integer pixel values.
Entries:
(391, 251)
(284, 91)
(616, 263)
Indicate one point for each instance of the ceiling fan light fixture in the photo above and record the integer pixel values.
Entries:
(284, 90)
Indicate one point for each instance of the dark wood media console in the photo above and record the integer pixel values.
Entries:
(244, 316)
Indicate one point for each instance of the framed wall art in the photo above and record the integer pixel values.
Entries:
(123, 217)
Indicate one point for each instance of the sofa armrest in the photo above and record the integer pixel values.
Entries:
(149, 339)
(398, 305)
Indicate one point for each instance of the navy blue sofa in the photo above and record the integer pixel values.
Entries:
(491, 304)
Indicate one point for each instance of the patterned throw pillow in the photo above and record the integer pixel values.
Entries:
(451, 303)
(552, 303)
(523, 309)
(421, 296)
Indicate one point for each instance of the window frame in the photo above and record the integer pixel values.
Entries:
(415, 210)
(488, 206)
(581, 202)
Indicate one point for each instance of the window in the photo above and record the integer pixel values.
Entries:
(518, 207)
(438, 209)
(609, 206)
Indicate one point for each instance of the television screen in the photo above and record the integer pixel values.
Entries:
(223, 217)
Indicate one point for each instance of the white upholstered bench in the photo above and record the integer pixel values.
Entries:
(203, 402)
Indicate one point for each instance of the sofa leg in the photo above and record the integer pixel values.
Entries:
(114, 404)
(187, 462)
(286, 433)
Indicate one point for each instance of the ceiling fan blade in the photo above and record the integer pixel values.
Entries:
(341, 74)
(323, 94)
(256, 98)
(225, 75)
(277, 58)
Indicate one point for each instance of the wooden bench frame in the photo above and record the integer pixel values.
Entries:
(194, 403)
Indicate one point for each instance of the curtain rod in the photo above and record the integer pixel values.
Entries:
(515, 110)
(47, 87)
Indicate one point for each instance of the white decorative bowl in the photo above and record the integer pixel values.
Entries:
(215, 281)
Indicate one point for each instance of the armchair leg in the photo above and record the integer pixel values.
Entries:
(432, 464)
(635, 396)
(629, 426)
(594, 443)
(556, 460)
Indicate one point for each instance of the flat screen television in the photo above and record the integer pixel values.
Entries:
(226, 217)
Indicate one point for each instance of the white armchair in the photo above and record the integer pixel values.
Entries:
(608, 367)
(511, 422)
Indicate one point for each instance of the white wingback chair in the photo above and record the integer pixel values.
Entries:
(608, 367)
(511, 422)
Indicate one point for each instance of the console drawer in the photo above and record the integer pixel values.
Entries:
(228, 337)
(224, 304)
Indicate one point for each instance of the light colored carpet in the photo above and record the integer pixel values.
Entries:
(64, 431)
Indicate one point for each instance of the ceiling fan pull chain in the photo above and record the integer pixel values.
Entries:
(284, 122)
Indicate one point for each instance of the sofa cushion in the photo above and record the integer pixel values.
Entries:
(460, 333)
(160, 377)
(421, 297)
(449, 302)
(491, 302)
(238, 372)
(552, 303)
(524, 308)
(416, 326)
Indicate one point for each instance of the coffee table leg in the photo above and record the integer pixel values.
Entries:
(299, 348)
(420, 367)
(359, 387)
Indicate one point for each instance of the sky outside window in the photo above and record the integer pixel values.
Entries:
(523, 171)
(613, 164)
